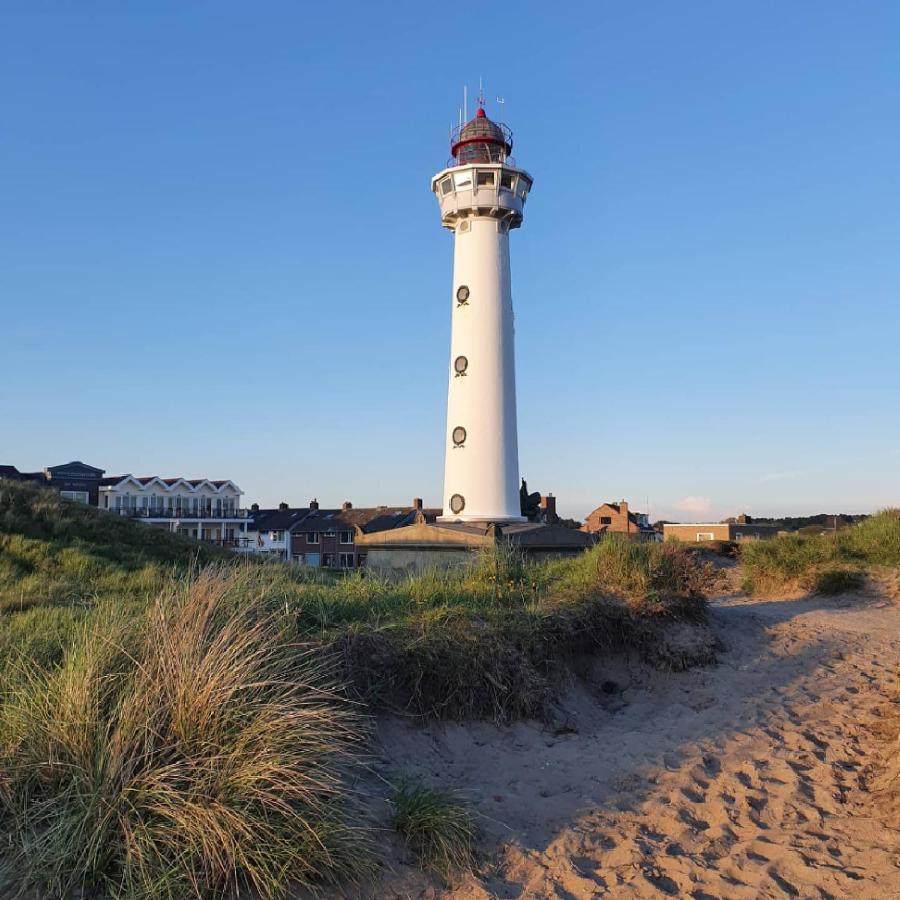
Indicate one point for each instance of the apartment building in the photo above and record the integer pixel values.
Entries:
(194, 507)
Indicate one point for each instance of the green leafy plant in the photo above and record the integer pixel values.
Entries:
(437, 826)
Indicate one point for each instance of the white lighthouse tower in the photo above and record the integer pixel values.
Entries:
(482, 194)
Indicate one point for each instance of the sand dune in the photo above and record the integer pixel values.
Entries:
(746, 779)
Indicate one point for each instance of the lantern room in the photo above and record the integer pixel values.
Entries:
(480, 141)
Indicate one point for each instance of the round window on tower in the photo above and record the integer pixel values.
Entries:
(460, 365)
(459, 436)
(457, 503)
(462, 295)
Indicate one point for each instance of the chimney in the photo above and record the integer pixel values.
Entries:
(548, 509)
(623, 507)
(314, 504)
(417, 503)
(254, 507)
(346, 505)
(283, 505)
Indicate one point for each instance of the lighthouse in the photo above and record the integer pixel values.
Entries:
(481, 193)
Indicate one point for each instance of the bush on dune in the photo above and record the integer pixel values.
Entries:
(192, 753)
(829, 562)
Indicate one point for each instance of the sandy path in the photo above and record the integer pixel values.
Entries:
(746, 779)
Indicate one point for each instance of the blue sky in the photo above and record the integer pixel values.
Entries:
(219, 255)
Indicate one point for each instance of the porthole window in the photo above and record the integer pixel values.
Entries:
(462, 294)
(460, 364)
(457, 503)
(459, 436)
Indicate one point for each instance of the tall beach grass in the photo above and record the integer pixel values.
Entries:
(194, 751)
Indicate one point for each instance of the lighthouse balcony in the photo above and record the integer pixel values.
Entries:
(490, 190)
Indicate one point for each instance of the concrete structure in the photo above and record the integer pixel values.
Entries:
(617, 518)
(718, 531)
(481, 194)
(198, 508)
(441, 545)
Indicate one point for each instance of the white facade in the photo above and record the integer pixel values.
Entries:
(198, 508)
(480, 203)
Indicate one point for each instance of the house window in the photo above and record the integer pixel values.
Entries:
(312, 537)
(80, 496)
(506, 180)
(606, 520)
(346, 537)
(106, 501)
(277, 535)
(486, 179)
(361, 559)
(705, 536)
(346, 560)
(328, 560)
(299, 558)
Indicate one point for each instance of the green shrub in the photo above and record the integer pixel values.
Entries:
(192, 752)
(437, 827)
(838, 581)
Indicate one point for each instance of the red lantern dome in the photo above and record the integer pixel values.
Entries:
(480, 141)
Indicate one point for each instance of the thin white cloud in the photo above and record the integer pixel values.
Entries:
(695, 505)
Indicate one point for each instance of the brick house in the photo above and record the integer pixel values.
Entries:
(719, 531)
(327, 537)
(617, 518)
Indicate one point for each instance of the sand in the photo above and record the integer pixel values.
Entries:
(750, 778)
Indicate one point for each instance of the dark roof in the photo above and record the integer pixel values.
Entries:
(13, 474)
(76, 464)
(112, 479)
(371, 518)
(274, 519)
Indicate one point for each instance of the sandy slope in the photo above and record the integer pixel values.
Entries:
(746, 779)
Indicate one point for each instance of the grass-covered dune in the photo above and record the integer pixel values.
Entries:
(176, 722)
(825, 563)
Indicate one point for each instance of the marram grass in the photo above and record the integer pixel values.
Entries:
(197, 754)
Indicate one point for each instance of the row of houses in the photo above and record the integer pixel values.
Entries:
(210, 510)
